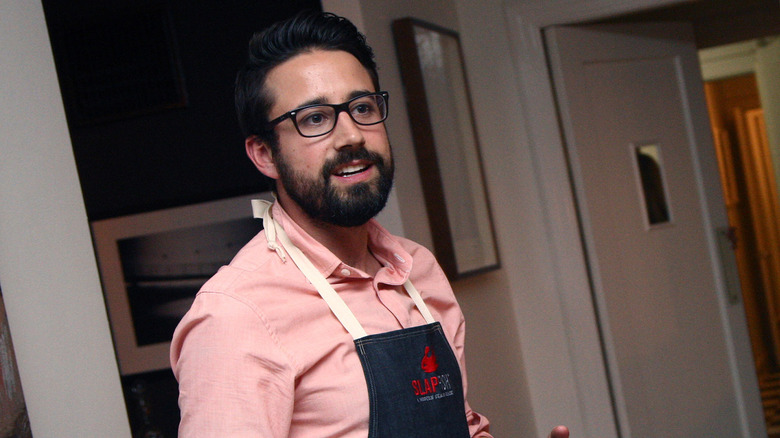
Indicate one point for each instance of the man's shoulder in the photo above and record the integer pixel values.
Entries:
(254, 254)
(424, 261)
(253, 262)
(414, 248)
(386, 238)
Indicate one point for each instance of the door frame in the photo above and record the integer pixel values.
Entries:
(584, 358)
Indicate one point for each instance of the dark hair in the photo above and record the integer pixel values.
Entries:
(280, 42)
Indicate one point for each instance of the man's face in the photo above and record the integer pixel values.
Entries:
(343, 177)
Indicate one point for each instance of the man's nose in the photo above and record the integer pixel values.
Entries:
(347, 133)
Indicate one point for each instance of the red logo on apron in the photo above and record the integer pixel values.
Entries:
(432, 387)
(429, 364)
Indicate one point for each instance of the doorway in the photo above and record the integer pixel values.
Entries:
(749, 181)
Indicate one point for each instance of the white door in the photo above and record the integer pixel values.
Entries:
(675, 345)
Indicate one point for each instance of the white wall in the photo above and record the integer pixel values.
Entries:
(767, 72)
(729, 60)
(48, 272)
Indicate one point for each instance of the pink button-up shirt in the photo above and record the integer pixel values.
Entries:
(260, 354)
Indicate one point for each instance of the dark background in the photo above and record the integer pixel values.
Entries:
(148, 92)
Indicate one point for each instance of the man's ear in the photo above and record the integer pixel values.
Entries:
(260, 153)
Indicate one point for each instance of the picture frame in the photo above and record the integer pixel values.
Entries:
(446, 146)
(152, 265)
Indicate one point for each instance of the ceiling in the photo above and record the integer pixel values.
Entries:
(717, 22)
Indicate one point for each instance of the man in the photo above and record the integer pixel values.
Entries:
(324, 325)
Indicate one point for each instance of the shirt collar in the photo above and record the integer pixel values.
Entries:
(384, 245)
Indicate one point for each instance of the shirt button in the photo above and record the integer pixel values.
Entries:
(345, 272)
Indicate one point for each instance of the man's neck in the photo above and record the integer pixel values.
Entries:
(349, 244)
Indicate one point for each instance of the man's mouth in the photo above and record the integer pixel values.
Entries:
(352, 169)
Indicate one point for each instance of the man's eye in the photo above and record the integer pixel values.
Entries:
(363, 109)
(313, 119)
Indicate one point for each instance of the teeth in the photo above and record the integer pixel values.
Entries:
(351, 169)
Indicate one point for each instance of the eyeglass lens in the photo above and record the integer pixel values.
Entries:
(321, 119)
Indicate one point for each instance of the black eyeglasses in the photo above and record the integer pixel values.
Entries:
(320, 119)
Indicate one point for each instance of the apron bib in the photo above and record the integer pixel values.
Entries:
(414, 382)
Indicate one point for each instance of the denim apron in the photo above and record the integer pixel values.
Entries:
(414, 383)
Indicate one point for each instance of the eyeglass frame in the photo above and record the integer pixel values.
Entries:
(338, 108)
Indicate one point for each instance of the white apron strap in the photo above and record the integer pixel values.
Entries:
(262, 209)
(418, 301)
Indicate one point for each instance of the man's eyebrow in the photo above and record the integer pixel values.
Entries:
(358, 93)
(321, 100)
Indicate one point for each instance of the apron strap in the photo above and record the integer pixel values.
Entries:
(334, 301)
(262, 209)
(418, 301)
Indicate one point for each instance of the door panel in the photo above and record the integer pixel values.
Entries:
(627, 97)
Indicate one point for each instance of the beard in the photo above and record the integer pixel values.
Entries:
(343, 207)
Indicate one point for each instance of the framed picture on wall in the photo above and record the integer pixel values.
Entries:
(152, 265)
(446, 146)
